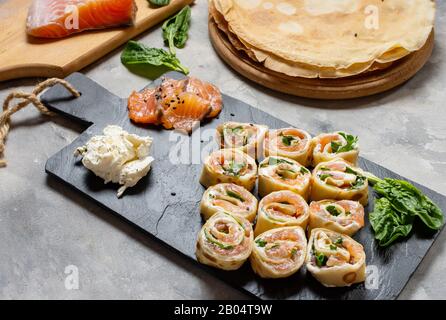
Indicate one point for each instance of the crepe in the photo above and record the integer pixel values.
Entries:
(335, 259)
(326, 39)
(279, 253)
(279, 173)
(339, 180)
(281, 209)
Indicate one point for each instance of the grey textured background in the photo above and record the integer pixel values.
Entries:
(45, 227)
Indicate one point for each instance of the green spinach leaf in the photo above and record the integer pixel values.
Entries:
(136, 53)
(407, 199)
(388, 224)
(175, 29)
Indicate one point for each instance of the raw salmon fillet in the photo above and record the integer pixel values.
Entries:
(61, 18)
(176, 104)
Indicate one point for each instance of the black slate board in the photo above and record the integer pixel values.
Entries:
(175, 219)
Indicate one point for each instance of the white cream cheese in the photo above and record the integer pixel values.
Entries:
(117, 156)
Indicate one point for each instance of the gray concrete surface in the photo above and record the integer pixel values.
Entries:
(45, 227)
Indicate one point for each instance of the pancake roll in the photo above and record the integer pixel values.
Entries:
(339, 180)
(231, 198)
(281, 209)
(329, 146)
(291, 143)
(229, 166)
(279, 253)
(335, 259)
(343, 216)
(246, 137)
(280, 173)
(224, 241)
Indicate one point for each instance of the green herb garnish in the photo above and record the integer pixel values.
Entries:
(324, 176)
(261, 243)
(234, 168)
(333, 210)
(287, 140)
(275, 161)
(339, 241)
(293, 251)
(160, 3)
(304, 170)
(351, 144)
(176, 28)
(321, 259)
(235, 195)
(137, 54)
(333, 247)
(217, 243)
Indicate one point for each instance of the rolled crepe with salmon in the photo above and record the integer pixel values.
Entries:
(230, 166)
(225, 241)
(246, 137)
(335, 259)
(343, 216)
(339, 180)
(291, 143)
(281, 209)
(329, 146)
(231, 198)
(280, 173)
(279, 253)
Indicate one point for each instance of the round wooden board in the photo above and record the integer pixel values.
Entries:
(341, 88)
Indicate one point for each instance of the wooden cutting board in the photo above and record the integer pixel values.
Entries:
(342, 88)
(165, 204)
(23, 56)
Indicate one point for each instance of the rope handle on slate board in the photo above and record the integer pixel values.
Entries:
(28, 98)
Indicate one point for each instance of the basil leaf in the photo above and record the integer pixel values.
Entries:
(160, 3)
(406, 199)
(175, 29)
(388, 224)
(333, 247)
(136, 53)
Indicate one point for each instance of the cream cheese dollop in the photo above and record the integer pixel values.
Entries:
(117, 156)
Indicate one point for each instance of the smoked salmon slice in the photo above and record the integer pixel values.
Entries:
(185, 112)
(176, 104)
(61, 18)
(208, 92)
(143, 107)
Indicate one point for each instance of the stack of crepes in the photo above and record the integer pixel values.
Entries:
(325, 38)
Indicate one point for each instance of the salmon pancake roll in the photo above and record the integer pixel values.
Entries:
(343, 216)
(339, 180)
(279, 253)
(231, 198)
(291, 143)
(246, 137)
(329, 146)
(281, 209)
(229, 166)
(225, 241)
(279, 173)
(334, 259)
